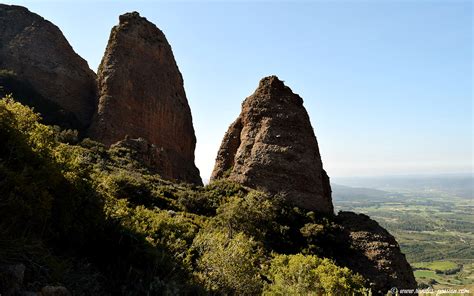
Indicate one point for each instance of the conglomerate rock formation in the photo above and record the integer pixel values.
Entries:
(272, 147)
(142, 96)
(39, 55)
(374, 253)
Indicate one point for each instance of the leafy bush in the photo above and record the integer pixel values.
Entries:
(68, 136)
(205, 201)
(253, 214)
(228, 265)
(25, 203)
(309, 275)
(174, 231)
(128, 185)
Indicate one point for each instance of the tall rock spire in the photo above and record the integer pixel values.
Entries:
(142, 96)
(272, 147)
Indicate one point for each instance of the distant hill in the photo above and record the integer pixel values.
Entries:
(346, 193)
(461, 185)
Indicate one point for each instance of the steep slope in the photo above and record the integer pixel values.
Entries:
(96, 221)
(37, 52)
(142, 96)
(271, 146)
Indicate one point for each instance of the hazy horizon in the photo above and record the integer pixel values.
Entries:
(388, 85)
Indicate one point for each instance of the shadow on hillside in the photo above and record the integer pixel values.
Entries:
(55, 224)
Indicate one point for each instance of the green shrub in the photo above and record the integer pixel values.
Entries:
(226, 188)
(309, 275)
(173, 231)
(205, 201)
(228, 265)
(253, 214)
(320, 237)
(128, 185)
(68, 136)
(25, 203)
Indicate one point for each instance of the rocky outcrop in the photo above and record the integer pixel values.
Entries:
(37, 52)
(374, 253)
(142, 95)
(23, 92)
(272, 147)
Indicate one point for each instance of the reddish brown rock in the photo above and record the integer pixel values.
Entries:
(142, 95)
(272, 147)
(374, 253)
(38, 53)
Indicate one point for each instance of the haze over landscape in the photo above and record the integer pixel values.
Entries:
(387, 84)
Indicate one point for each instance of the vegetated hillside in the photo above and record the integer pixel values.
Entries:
(96, 221)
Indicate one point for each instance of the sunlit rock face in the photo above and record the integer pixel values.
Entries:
(271, 146)
(142, 96)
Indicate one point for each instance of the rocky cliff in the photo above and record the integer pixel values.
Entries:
(374, 253)
(272, 147)
(142, 96)
(37, 52)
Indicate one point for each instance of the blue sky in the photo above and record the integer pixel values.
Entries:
(387, 84)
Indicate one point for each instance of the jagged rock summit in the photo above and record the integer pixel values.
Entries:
(142, 96)
(38, 53)
(272, 147)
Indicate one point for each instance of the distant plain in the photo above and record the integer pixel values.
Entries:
(430, 216)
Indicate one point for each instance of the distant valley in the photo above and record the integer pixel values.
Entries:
(430, 216)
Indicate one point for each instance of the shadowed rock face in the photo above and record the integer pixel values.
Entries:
(374, 253)
(272, 147)
(38, 53)
(142, 96)
(159, 160)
